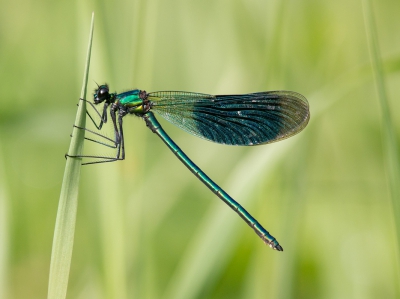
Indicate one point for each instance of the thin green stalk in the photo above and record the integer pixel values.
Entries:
(389, 137)
(66, 215)
(4, 235)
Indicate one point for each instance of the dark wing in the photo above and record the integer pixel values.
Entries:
(246, 119)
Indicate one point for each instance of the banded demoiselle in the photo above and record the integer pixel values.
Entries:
(245, 119)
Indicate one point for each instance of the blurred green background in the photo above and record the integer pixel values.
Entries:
(146, 227)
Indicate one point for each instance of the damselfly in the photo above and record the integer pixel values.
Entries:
(245, 119)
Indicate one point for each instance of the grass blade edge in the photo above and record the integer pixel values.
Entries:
(66, 215)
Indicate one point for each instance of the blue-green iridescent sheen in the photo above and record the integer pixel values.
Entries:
(248, 119)
(155, 126)
(130, 98)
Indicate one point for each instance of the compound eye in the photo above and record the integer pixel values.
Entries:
(103, 91)
(102, 94)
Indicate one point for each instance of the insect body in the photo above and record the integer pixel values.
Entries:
(245, 119)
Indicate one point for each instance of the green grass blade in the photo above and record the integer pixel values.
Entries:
(66, 215)
(4, 235)
(388, 131)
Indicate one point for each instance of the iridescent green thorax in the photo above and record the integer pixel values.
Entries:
(130, 98)
(134, 101)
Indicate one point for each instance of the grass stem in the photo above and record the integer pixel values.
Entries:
(66, 215)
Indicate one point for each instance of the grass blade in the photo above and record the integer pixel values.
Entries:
(388, 131)
(66, 215)
(4, 236)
